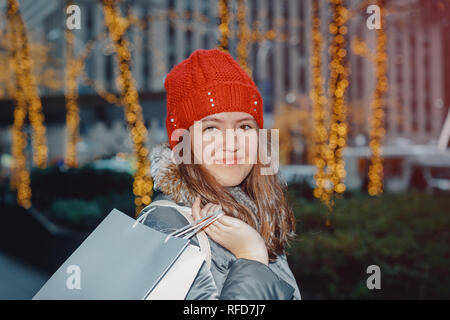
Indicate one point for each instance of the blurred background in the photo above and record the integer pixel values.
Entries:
(359, 90)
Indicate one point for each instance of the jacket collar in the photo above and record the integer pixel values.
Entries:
(167, 179)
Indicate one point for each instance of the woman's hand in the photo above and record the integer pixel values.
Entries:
(233, 234)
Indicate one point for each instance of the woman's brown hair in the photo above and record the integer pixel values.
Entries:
(274, 219)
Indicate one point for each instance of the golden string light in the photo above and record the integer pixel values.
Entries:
(44, 69)
(254, 35)
(74, 68)
(224, 25)
(27, 101)
(242, 47)
(100, 90)
(330, 130)
(22, 67)
(168, 14)
(20, 176)
(71, 95)
(319, 110)
(337, 86)
(377, 130)
(6, 85)
(294, 120)
(117, 26)
(282, 118)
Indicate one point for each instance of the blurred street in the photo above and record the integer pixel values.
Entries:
(356, 94)
(18, 281)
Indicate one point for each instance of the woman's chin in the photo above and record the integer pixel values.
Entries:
(229, 175)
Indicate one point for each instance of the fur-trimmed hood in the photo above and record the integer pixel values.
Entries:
(167, 179)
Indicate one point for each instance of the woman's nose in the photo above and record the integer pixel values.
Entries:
(231, 141)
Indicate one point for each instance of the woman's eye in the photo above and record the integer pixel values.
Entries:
(246, 127)
(209, 128)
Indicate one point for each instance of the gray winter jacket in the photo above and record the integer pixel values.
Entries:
(228, 278)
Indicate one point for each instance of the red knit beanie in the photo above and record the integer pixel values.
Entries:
(208, 82)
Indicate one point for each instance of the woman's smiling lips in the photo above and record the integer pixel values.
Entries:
(229, 161)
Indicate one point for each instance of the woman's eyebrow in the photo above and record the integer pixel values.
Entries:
(247, 119)
(213, 119)
(220, 120)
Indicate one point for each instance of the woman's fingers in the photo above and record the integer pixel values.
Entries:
(227, 221)
(214, 232)
(204, 210)
(198, 212)
(214, 208)
(211, 230)
(218, 234)
(196, 209)
(208, 209)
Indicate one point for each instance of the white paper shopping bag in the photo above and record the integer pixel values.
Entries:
(178, 280)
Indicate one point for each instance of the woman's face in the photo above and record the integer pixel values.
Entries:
(228, 146)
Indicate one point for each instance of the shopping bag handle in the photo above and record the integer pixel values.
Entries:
(142, 217)
(189, 230)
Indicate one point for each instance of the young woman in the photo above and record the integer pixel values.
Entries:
(224, 171)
